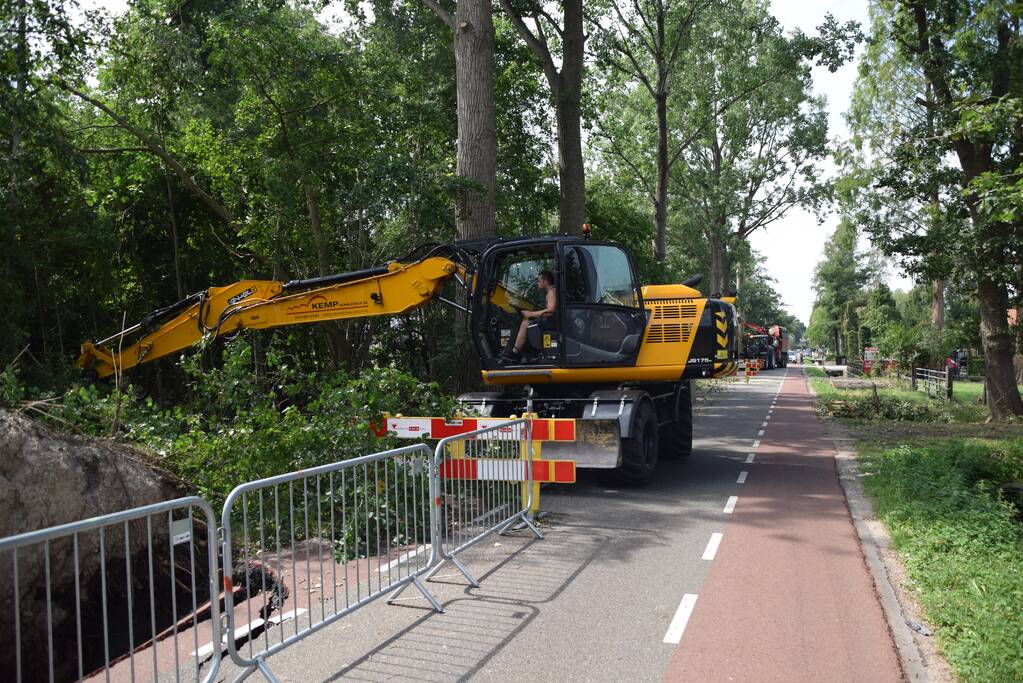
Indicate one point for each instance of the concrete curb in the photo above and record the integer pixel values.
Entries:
(918, 654)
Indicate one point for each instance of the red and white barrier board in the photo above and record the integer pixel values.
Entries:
(548, 429)
(484, 469)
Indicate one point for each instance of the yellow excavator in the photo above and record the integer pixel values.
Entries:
(615, 355)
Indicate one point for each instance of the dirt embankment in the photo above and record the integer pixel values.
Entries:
(49, 478)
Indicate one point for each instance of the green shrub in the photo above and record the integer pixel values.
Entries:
(241, 428)
(961, 546)
(895, 409)
(11, 391)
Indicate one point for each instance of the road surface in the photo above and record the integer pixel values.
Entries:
(739, 563)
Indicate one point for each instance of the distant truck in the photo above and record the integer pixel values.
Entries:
(769, 345)
(780, 343)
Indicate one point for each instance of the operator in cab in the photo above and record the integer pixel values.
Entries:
(545, 282)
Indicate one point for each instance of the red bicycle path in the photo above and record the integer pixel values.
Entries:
(789, 596)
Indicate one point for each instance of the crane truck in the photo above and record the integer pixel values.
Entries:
(768, 345)
(616, 355)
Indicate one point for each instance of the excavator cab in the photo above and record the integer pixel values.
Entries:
(599, 318)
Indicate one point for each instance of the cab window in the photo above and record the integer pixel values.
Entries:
(603, 318)
(599, 274)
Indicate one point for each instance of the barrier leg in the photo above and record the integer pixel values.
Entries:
(532, 527)
(458, 565)
(465, 572)
(243, 674)
(427, 594)
(265, 670)
(525, 520)
(422, 589)
(436, 568)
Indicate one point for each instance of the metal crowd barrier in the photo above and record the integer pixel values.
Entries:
(141, 582)
(484, 484)
(300, 551)
(309, 547)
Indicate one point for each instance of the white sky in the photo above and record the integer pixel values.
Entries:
(792, 246)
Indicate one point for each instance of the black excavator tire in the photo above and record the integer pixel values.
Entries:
(676, 437)
(639, 452)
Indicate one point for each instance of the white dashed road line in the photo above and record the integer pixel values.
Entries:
(742, 477)
(712, 546)
(681, 618)
(749, 457)
(756, 444)
(730, 505)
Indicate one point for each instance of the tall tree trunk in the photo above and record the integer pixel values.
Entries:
(1003, 396)
(473, 26)
(13, 209)
(938, 304)
(22, 85)
(718, 265)
(566, 90)
(312, 205)
(661, 201)
(477, 132)
(661, 111)
(938, 285)
(337, 342)
(571, 172)
(975, 155)
(571, 176)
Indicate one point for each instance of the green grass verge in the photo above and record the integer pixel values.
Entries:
(960, 543)
(970, 393)
(897, 403)
(815, 372)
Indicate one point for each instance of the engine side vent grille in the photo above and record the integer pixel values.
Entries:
(667, 326)
(669, 333)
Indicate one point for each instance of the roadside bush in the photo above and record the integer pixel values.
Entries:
(11, 390)
(961, 545)
(902, 343)
(895, 409)
(898, 410)
(239, 427)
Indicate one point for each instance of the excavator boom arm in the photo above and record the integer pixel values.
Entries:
(260, 304)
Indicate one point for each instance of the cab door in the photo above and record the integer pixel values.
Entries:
(602, 306)
(505, 286)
